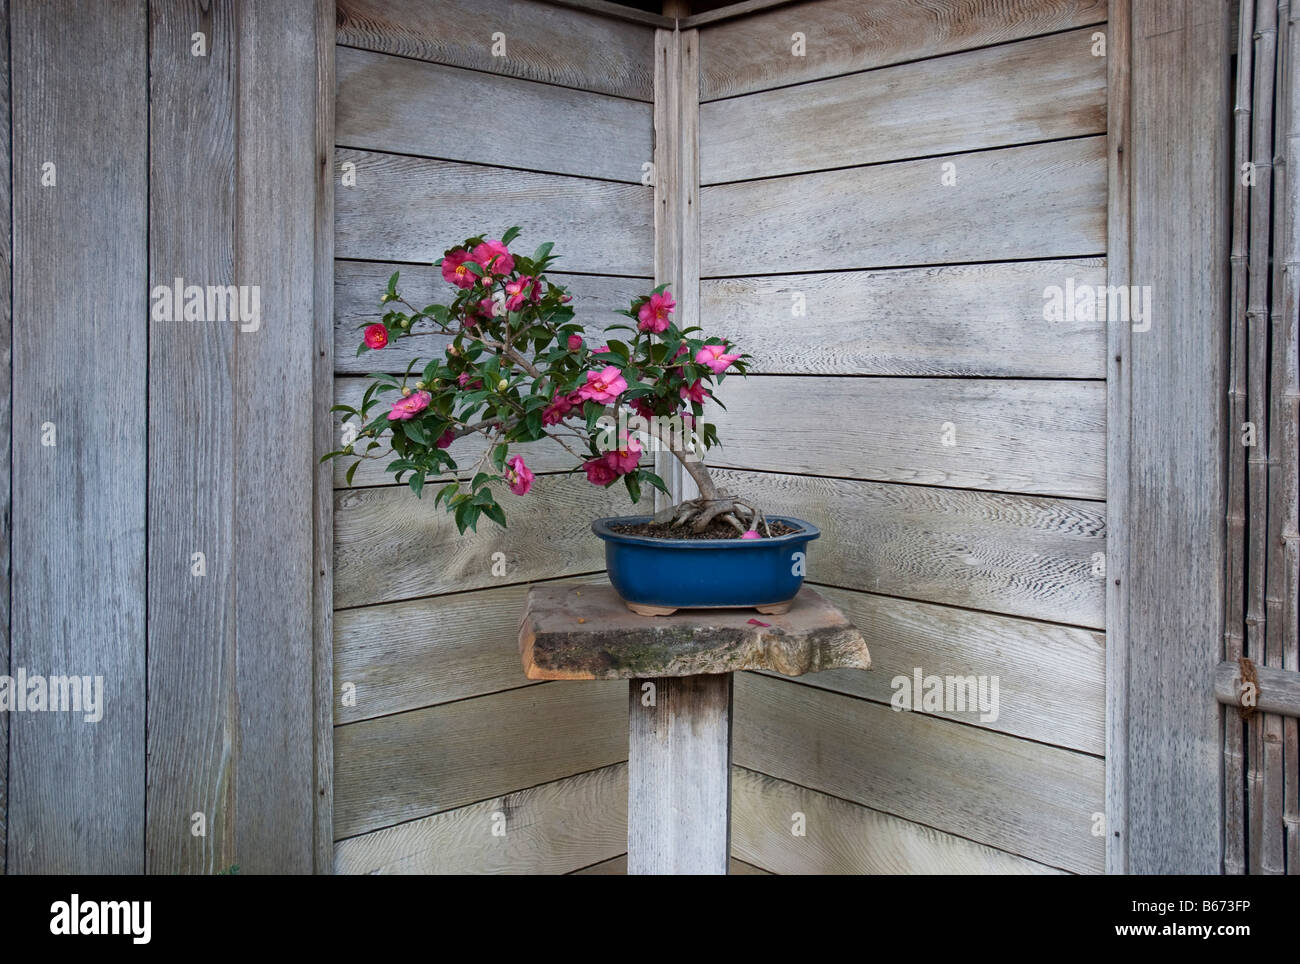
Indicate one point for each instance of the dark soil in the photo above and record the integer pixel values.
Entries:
(716, 530)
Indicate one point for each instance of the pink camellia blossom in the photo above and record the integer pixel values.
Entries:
(446, 438)
(695, 392)
(575, 342)
(643, 407)
(454, 270)
(599, 472)
(518, 476)
(409, 406)
(559, 408)
(653, 315)
(376, 336)
(751, 534)
(601, 350)
(625, 458)
(519, 291)
(604, 386)
(463, 381)
(713, 357)
(494, 258)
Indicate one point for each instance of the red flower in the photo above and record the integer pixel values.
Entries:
(454, 270)
(376, 336)
(599, 472)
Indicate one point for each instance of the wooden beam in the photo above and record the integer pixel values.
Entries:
(6, 413)
(1276, 690)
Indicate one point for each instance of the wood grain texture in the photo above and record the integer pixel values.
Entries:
(402, 656)
(548, 829)
(755, 52)
(76, 789)
(1049, 198)
(840, 837)
(586, 632)
(679, 775)
(617, 866)
(970, 319)
(543, 42)
(1013, 554)
(389, 545)
(1034, 90)
(275, 618)
(1175, 508)
(406, 106)
(1014, 795)
(398, 768)
(412, 209)
(1051, 679)
(193, 731)
(6, 403)
(1036, 437)
(1277, 690)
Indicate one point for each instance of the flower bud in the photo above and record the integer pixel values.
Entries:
(421, 386)
(406, 390)
(502, 385)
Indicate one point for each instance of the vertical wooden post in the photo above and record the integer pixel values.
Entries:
(679, 775)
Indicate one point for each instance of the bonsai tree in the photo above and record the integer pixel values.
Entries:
(516, 368)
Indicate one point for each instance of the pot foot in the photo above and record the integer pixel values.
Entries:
(776, 609)
(642, 610)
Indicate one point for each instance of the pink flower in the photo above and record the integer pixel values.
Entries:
(599, 472)
(376, 336)
(604, 386)
(713, 357)
(454, 270)
(555, 412)
(695, 392)
(750, 534)
(518, 475)
(463, 381)
(575, 342)
(409, 406)
(653, 315)
(519, 291)
(494, 258)
(643, 407)
(624, 459)
(601, 350)
(446, 438)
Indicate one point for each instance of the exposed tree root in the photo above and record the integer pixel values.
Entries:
(736, 512)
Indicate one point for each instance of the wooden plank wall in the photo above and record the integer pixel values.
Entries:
(881, 214)
(169, 161)
(439, 738)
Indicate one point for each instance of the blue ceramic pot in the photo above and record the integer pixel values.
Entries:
(705, 573)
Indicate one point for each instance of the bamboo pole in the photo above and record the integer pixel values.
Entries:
(1265, 37)
(1234, 815)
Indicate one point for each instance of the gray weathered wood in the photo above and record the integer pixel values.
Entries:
(410, 765)
(1050, 200)
(76, 789)
(668, 201)
(586, 632)
(412, 209)
(1018, 796)
(388, 103)
(840, 837)
(1037, 437)
(970, 319)
(6, 420)
(543, 42)
(617, 866)
(1014, 554)
(193, 734)
(679, 775)
(1034, 90)
(1052, 685)
(754, 53)
(548, 829)
(1276, 690)
(1175, 508)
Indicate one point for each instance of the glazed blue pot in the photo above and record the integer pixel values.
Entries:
(705, 573)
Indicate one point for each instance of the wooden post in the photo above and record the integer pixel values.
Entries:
(679, 775)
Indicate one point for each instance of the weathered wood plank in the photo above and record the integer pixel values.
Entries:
(389, 545)
(1014, 795)
(358, 286)
(1036, 437)
(1050, 199)
(1051, 679)
(276, 210)
(541, 40)
(679, 775)
(970, 319)
(6, 413)
(191, 617)
(547, 829)
(397, 768)
(1276, 690)
(76, 790)
(755, 53)
(402, 656)
(1035, 90)
(1013, 554)
(412, 209)
(406, 106)
(617, 866)
(1175, 509)
(840, 837)
(586, 632)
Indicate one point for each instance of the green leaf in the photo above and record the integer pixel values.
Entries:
(417, 483)
(654, 480)
(479, 481)
(392, 283)
(543, 250)
(352, 470)
(633, 486)
(499, 454)
(511, 234)
(496, 514)
(446, 492)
